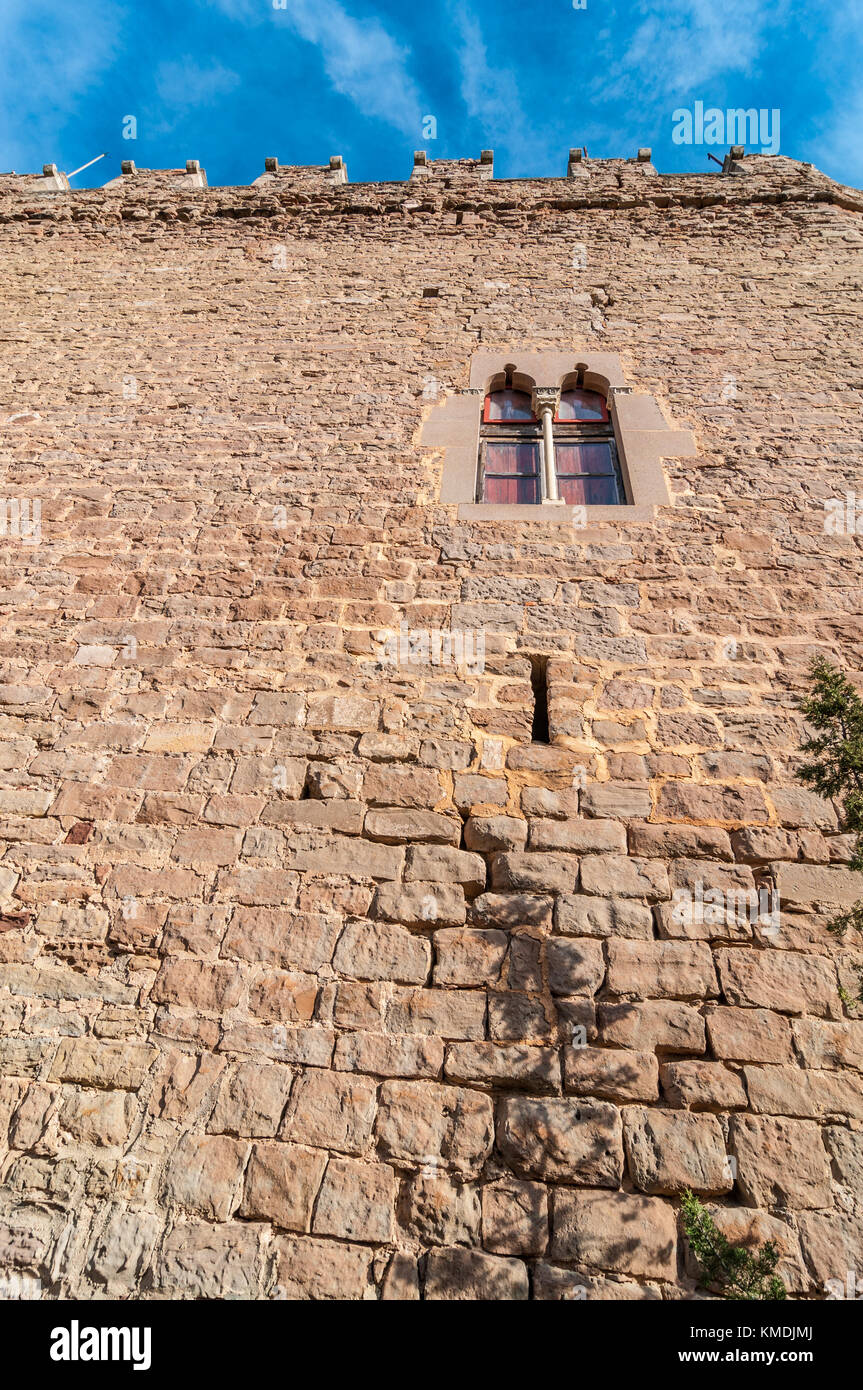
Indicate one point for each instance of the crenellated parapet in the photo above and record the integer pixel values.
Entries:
(305, 178)
(452, 173)
(142, 180)
(461, 188)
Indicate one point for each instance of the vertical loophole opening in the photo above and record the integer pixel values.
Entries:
(539, 686)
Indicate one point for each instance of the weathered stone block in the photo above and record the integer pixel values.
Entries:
(673, 841)
(471, 789)
(802, 885)
(284, 996)
(746, 1034)
(663, 1027)
(618, 917)
(611, 1073)
(203, 1174)
(123, 1249)
(845, 1148)
(442, 864)
(203, 1261)
(574, 967)
(97, 1117)
(670, 969)
(406, 827)
(668, 1151)
(833, 1247)
(515, 1217)
(109, 1064)
(512, 910)
(443, 1211)
(330, 1111)
(447, 1126)
(823, 1044)
(727, 806)
(810, 1094)
(616, 800)
(281, 1183)
(251, 1101)
(389, 784)
(615, 1231)
(610, 876)
(779, 1162)
(401, 1282)
(516, 1066)
(456, 1014)
(487, 833)
(539, 873)
(323, 1270)
(578, 836)
(469, 956)
(782, 980)
(702, 1086)
(455, 1275)
(561, 1140)
(382, 951)
(356, 1201)
(418, 904)
(381, 1055)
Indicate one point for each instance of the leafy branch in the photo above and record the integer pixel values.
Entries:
(834, 710)
(730, 1269)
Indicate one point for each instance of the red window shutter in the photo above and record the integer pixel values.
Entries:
(511, 471)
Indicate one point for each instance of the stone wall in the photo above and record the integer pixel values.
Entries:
(319, 978)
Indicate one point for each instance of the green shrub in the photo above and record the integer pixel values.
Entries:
(730, 1270)
(835, 711)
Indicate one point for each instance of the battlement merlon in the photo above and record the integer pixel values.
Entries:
(444, 184)
(193, 176)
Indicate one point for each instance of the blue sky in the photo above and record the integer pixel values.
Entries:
(230, 81)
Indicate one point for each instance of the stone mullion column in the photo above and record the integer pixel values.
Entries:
(545, 401)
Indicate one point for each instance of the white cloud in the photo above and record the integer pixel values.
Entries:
(490, 92)
(678, 45)
(835, 145)
(361, 60)
(51, 58)
(836, 149)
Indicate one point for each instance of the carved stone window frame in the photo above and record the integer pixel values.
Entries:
(642, 434)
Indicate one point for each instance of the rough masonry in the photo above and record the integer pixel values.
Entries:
(320, 978)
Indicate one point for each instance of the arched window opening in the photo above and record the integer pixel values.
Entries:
(585, 455)
(520, 462)
(584, 407)
(510, 457)
(506, 405)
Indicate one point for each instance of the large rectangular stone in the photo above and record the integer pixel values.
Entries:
(617, 875)
(780, 1162)
(808, 885)
(515, 1066)
(579, 915)
(423, 1123)
(356, 1201)
(281, 1183)
(330, 1110)
(665, 1027)
(749, 1035)
(578, 836)
(661, 969)
(569, 1141)
(616, 1231)
(537, 873)
(668, 1151)
(782, 980)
